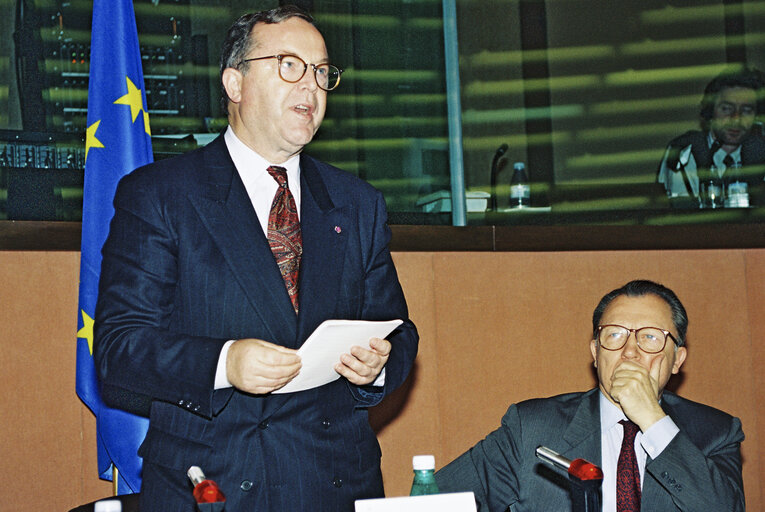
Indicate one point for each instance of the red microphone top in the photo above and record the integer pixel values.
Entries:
(584, 470)
(205, 490)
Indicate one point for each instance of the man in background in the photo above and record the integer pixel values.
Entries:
(669, 453)
(728, 148)
(220, 263)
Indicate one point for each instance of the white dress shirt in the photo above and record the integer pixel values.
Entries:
(647, 444)
(673, 180)
(261, 186)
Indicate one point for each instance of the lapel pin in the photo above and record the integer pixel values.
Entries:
(337, 229)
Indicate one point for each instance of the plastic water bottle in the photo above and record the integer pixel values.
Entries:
(424, 475)
(520, 190)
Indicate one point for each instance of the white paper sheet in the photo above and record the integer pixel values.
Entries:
(448, 502)
(323, 348)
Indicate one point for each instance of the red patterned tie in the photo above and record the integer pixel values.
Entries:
(284, 233)
(627, 472)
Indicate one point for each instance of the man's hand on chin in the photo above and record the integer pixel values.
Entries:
(636, 390)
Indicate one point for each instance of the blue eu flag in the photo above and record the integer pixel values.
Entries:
(117, 141)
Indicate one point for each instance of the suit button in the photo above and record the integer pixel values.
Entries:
(246, 485)
(337, 482)
(326, 423)
(263, 424)
(181, 402)
(196, 408)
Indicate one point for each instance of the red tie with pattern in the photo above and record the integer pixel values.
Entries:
(627, 472)
(284, 233)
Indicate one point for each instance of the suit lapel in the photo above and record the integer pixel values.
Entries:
(322, 224)
(227, 213)
(583, 433)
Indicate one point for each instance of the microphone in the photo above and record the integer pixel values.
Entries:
(585, 478)
(207, 494)
(497, 155)
(578, 468)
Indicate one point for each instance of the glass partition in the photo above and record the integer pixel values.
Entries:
(586, 93)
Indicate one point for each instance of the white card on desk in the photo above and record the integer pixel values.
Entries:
(447, 502)
(323, 348)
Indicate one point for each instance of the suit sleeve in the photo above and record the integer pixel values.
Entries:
(138, 358)
(490, 469)
(384, 300)
(701, 479)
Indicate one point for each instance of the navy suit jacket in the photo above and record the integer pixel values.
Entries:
(700, 469)
(187, 267)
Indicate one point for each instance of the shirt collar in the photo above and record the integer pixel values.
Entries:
(736, 154)
(245, 158)
(610, 414)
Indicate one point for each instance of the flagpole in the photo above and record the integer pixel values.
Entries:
(115, 480)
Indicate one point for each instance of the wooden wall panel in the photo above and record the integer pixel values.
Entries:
(755, 279)
(407, 421)
(49, 458)
(495, 328)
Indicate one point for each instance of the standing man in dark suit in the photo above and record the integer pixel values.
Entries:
(687, 454)
(729, 147)
(209, 285)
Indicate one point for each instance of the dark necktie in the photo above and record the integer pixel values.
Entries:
(730, 170)
(284, 233)
(627, 472)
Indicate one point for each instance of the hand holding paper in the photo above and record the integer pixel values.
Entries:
(363, 365)
(322, 350)
(257, 366)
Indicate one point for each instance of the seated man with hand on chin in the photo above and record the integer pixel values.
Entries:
(685, 456)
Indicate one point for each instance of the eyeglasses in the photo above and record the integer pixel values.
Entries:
(649, 339)
(292, 68)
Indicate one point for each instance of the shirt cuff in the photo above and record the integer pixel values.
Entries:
(380, 380)
(658, 436)
(221, 379)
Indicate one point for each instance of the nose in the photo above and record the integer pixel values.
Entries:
(631, 350)
(309, 78)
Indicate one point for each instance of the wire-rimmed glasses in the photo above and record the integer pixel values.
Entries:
(292, 68)
(651, 340)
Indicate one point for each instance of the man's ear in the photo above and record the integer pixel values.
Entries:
(232, 83)
(594, 352)
(680, 356)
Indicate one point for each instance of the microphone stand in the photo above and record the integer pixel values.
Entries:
(585, 477)
(493, 199)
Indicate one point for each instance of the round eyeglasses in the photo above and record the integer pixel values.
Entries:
(649, 339)
(292, 68)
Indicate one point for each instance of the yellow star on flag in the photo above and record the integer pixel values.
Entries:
(132, 98)
(146, 123)
(87, 330)
(90, 138)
